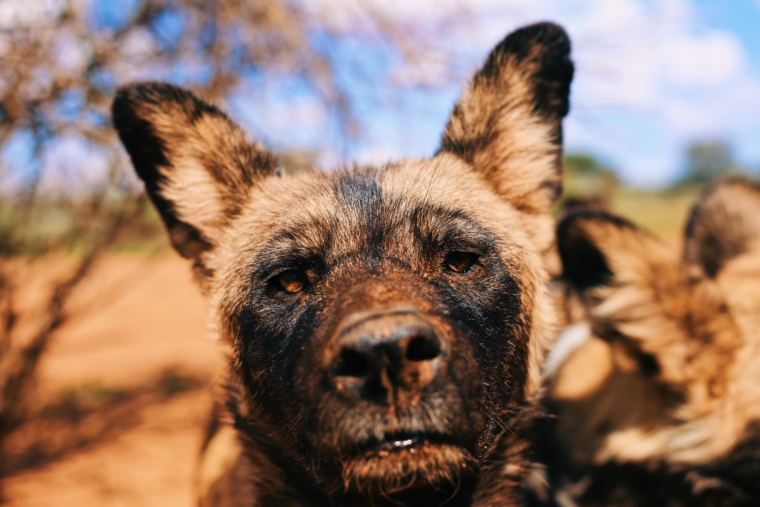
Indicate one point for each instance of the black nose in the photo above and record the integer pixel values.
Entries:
(380, 351)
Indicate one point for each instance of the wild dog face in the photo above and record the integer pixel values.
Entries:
(385, 321)
(666, 391)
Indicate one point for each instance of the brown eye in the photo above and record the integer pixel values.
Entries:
(292, 280)
(460, 262)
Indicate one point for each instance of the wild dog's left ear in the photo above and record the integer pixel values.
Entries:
(601, 249)
(198, 165)
(724, 224)
(508, 123)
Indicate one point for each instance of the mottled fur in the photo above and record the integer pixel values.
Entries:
(366, 239)
(661, 405)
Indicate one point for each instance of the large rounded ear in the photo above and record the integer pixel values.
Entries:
(724, 224)
(197, 164)
(508, 123)
(601, 249)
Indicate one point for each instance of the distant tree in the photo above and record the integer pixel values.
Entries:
(588, 183)
(584, 163)
(60, 63)
(62, 60)
(707, 160)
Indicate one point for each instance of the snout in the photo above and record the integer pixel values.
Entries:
(389, 352)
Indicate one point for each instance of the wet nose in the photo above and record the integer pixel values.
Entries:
(379, 351)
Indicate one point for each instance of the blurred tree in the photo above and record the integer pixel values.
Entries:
(584, 163)
(708, 160)
(60, 63)
(62, 60)
(587, 182)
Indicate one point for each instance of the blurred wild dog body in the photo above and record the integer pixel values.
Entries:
(661, 404)
(386, 324)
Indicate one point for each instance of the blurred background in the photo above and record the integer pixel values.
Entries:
(105, 370)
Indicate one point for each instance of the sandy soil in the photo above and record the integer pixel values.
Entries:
(134, 319)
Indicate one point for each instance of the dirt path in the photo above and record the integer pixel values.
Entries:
(134, 320)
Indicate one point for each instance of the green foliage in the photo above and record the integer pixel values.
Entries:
(708, 160)
(91, 396)
(55, 224)
(172, 383)
(588, 183)
(79, 400)
(663, 212)
(583, 164)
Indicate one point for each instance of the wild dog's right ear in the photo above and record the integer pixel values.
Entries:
(724, 224)
(597, 248)
(197, 165)
(508, 123)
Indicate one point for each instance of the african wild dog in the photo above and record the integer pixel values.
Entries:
(386, 323)
(661, 406)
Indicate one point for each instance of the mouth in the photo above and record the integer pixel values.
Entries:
(401, 460)
(399, 442)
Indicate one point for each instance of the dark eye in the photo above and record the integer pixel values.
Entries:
(292, 281)
(460, 262)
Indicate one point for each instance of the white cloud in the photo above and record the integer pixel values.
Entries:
(297, 120)
(23, 13)
(721, 111)
(652, 170)
(710, 59)
(656, 62)
(651, 76)
(71, 55)
(139, 43)
(378, 154)
(72, 165)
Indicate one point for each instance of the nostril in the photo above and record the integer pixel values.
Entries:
(422, 348)
(352, 363)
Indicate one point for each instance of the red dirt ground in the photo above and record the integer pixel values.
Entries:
(133, 319)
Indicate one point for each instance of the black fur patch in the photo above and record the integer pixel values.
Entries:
(583, 261)
(552, 80)
(282, 335)
(142, 113)
(148, 152)
(548, 47)
(311, 432)
(723, 224)
(740, 469)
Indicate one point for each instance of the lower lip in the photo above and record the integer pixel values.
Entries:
(392, 446)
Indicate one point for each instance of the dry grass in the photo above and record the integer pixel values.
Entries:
(661, 212)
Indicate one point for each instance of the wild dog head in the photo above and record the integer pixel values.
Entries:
(669, 382)
(386, 321)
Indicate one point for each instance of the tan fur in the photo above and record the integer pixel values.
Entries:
(701, 328)
(224, 474)
(437, 180)
(513, 148)
(364, 239)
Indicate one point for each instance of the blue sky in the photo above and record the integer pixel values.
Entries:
(651, 77)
